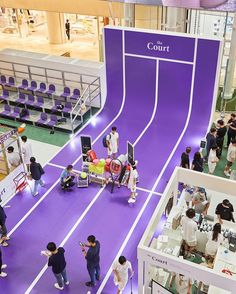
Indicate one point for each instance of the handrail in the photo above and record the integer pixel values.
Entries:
(79, 110)
(80, 98)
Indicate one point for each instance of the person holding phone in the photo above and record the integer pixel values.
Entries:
(67, 177)
(92, 256)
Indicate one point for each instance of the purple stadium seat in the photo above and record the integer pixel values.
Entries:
(30, 100)
(76, 94)
(11, 82)
(57, 103)
(66, 92)
(33, 86)
(16, 112)
(26, 115)
(68, 107)
(43, 119)
(53, 120)
(42, 88)
(24, 85)
(40, 102)
(5, 95)
(51, 90)
(3, 80)
(21, 98)
(7, 110)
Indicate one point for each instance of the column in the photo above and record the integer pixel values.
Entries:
(176, 19)
(146, 16)
(229, 78)
(129, 14)
(56, 27)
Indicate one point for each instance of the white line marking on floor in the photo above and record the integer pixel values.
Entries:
(100, 191)
(157, 180)
(65, 239)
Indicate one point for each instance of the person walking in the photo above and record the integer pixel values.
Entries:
(197, 163)
(220, 135)
(112, 141)
(210, 141)
(212, 160)
(133, 179)
(231, 156)
(2, 266)
(231, 132)
(67, 27)
(92, 257)
(4, 236)
(27, 152)
(56, 259)
(185, 162)
(36, 172)
(121, 269)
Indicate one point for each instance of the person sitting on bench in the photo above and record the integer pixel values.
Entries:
(67, 177)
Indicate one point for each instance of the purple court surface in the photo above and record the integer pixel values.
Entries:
(160, 102)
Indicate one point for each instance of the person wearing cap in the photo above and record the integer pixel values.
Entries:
(13, 157)
(224, 211)
(133, 181)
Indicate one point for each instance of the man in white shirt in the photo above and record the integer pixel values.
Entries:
(133, 178)
(121, 270)
(13, 157)
(189, 230)
(112, 143)
(231, 156)
(27, 151)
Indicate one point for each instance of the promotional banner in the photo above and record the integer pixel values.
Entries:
(222, 5)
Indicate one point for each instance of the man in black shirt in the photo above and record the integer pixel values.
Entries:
(36, 171)
(67, 26)
(185, 163)
(3, 227)
(210, 141)
(221, 131)
(225, 211)
(93, 259)
(57, 261)
(231, 125)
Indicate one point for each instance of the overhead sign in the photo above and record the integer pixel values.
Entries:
(223, 5)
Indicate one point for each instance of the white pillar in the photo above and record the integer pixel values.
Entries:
(129, 14)
(176, 19)
(56, 27)
(229, 78)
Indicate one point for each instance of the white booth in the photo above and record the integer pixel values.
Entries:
(159, 251)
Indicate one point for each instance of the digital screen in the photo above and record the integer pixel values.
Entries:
(86, 145)
(221, 5)
(130, 151)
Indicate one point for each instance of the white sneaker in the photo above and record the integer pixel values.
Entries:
(7, 238)
(4, 266)
(67, 283)
(227, 174)
(36, 194)
(131, 200)
(58, 287)
(43, 184)
(3, 275)
(4, 244)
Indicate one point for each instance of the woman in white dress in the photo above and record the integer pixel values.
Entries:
(215, 239)
(212, 160)
(132, 182)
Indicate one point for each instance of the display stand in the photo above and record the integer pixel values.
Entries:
(155, 257)
(21, 181)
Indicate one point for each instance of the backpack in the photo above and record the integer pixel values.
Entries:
(104, 140)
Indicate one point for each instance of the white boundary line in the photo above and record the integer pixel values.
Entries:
(38, 277)
(161, 59)
(138, 188)
(157, 180)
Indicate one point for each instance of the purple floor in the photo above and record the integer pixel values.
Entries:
(155, 131)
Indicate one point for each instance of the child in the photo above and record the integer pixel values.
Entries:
(212, 159)
(132, 182)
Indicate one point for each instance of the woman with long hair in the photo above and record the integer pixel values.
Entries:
(215, 239)
(197, 163)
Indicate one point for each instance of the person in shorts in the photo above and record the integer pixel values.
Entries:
(189, 230)
(133, 178)
(231, 156)
(112, 143)
(121, 270)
